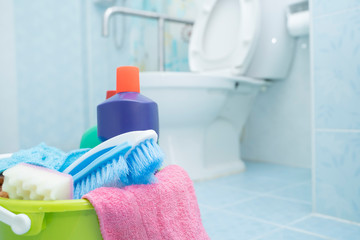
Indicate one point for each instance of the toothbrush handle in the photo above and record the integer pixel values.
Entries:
(19, 223)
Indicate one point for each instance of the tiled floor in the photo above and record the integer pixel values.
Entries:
(267, 202)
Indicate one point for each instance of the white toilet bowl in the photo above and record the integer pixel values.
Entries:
(196, 112)
(233, 49)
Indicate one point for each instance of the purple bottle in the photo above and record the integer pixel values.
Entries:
(127, 110)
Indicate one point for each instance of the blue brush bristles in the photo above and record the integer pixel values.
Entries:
(117, 166)
(107, 170)
(114, 174)
(143, 161)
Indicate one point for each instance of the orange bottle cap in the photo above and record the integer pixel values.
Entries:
(127, 79)
(110, 93)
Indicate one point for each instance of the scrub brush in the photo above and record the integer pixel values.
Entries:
(125, 159)
(30, 182)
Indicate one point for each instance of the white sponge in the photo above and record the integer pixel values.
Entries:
(30, 182)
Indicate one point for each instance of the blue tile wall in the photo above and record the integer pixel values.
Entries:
(336, 97)
(324, 7)
(336, 56)
(8, 86)
(177, 35)
(49, 72)
(338, 174)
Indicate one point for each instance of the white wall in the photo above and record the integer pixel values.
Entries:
(278, 129)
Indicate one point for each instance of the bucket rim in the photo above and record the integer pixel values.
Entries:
(34, 206)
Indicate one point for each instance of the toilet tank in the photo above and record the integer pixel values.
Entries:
(274, 52)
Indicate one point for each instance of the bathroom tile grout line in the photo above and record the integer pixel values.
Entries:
(233, 203)
(249, 217)
(263, 195)
(299, 220)
(257, 195)
(279, 226)
(258, 219)
(289, 227)
(288, 199)
(273, 192)
(307, 232)
(282, 226)
(266, 192)
(291, 186)
(335, 219)
(267, 234)
(269, 193)
(285, 226)
(293, 229)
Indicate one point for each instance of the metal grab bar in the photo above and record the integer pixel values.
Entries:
(145, 14)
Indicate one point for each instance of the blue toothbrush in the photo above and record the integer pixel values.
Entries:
(129, 158)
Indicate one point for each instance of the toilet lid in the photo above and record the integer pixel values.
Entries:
(224, 36)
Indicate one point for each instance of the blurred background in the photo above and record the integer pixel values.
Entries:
(55, 68)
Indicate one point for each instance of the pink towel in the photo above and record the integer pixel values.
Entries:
(164, 210)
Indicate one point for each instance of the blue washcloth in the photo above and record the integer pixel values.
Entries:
(41, 155)
(72, 157)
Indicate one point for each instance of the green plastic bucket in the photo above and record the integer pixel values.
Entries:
(55, 220)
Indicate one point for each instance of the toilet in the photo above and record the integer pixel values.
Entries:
(237, 48)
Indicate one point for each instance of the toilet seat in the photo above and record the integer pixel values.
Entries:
(229, 47)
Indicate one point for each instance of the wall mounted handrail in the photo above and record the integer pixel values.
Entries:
(162, 18)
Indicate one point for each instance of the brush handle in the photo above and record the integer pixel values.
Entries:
(19, 223)
(93, 166)
(132, 138)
